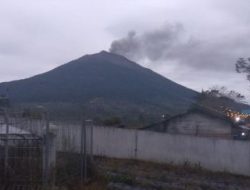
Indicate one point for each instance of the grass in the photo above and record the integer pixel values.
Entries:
(68, 174)
(145, 174)
(190, 177)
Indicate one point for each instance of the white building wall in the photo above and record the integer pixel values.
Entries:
(199, 124)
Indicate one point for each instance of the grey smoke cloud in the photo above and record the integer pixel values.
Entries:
(154, 45)
(173, 43)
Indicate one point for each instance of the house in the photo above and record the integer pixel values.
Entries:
(197, 122)
(15, 134)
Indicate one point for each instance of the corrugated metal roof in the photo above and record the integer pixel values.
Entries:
(13, 130)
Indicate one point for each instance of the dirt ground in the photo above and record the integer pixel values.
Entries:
(116, 174)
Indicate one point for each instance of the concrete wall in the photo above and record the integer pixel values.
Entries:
(115, 142)
(212, 153)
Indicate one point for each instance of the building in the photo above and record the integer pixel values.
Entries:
(197, 122)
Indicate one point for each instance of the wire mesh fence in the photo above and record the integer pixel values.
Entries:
(23, 164)
(34, 153)
(21, 160)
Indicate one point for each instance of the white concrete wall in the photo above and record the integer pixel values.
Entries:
(114, 142)
(212, 153)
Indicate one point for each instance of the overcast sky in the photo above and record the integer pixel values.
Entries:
(192, 42)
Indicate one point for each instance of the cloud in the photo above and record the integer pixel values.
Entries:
(38, 36)
(172, 43)
(153, 45)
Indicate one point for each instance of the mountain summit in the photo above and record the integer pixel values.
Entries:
(103, 82)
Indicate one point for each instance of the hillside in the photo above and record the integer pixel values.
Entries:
(102, 85)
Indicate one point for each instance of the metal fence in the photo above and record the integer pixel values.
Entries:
(21, 162)
(34, 153)
(21, 152)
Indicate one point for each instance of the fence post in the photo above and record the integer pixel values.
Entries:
(6, 145)
(89, 124)
(136, 144)
(49, 155)
(83, 153)
(46, 151)
(92, 142)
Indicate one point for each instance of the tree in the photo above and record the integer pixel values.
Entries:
(223, 93)
(112, 121)
(4, 101)
(219, 99)
(243, 66)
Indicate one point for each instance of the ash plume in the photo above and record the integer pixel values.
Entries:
(154, 45)
(172, 43)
